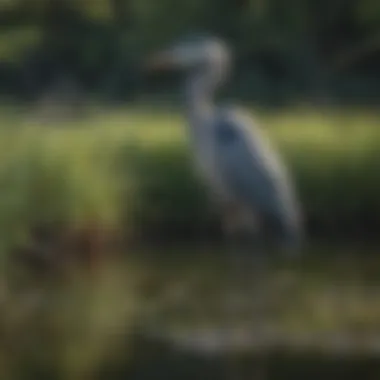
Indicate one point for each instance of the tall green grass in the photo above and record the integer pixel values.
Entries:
(70, 331)
(132, 171)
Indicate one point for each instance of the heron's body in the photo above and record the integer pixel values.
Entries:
(233, 157)
(236, 161)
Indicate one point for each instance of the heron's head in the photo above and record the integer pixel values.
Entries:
(190, 54)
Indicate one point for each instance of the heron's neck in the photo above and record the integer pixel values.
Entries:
(199, 91)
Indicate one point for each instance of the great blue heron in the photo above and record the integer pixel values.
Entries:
(243, 172)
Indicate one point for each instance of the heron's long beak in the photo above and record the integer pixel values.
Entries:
(159, 61)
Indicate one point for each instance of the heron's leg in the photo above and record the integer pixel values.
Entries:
(248, 264)
(230, 225)
(242, 250)
(245, 246)
(244, 259)
(254, 272)
(230, 228)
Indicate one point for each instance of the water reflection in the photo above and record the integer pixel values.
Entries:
(180, 314)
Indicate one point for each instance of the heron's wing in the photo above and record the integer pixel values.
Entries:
(252, 170)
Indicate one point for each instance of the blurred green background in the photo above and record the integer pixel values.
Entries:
(314, 50)
(113, 264)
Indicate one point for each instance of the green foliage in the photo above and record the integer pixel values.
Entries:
(141, 178)
(14, 43)
(48, 179)
(334, 162)
(287, 44)
(68, 331)
(368, 13)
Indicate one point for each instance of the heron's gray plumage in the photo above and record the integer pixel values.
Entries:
(234, 157)
(255, 176)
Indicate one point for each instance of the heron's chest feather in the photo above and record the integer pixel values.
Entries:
(207, 162)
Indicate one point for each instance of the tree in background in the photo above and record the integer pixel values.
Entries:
(313, 48)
